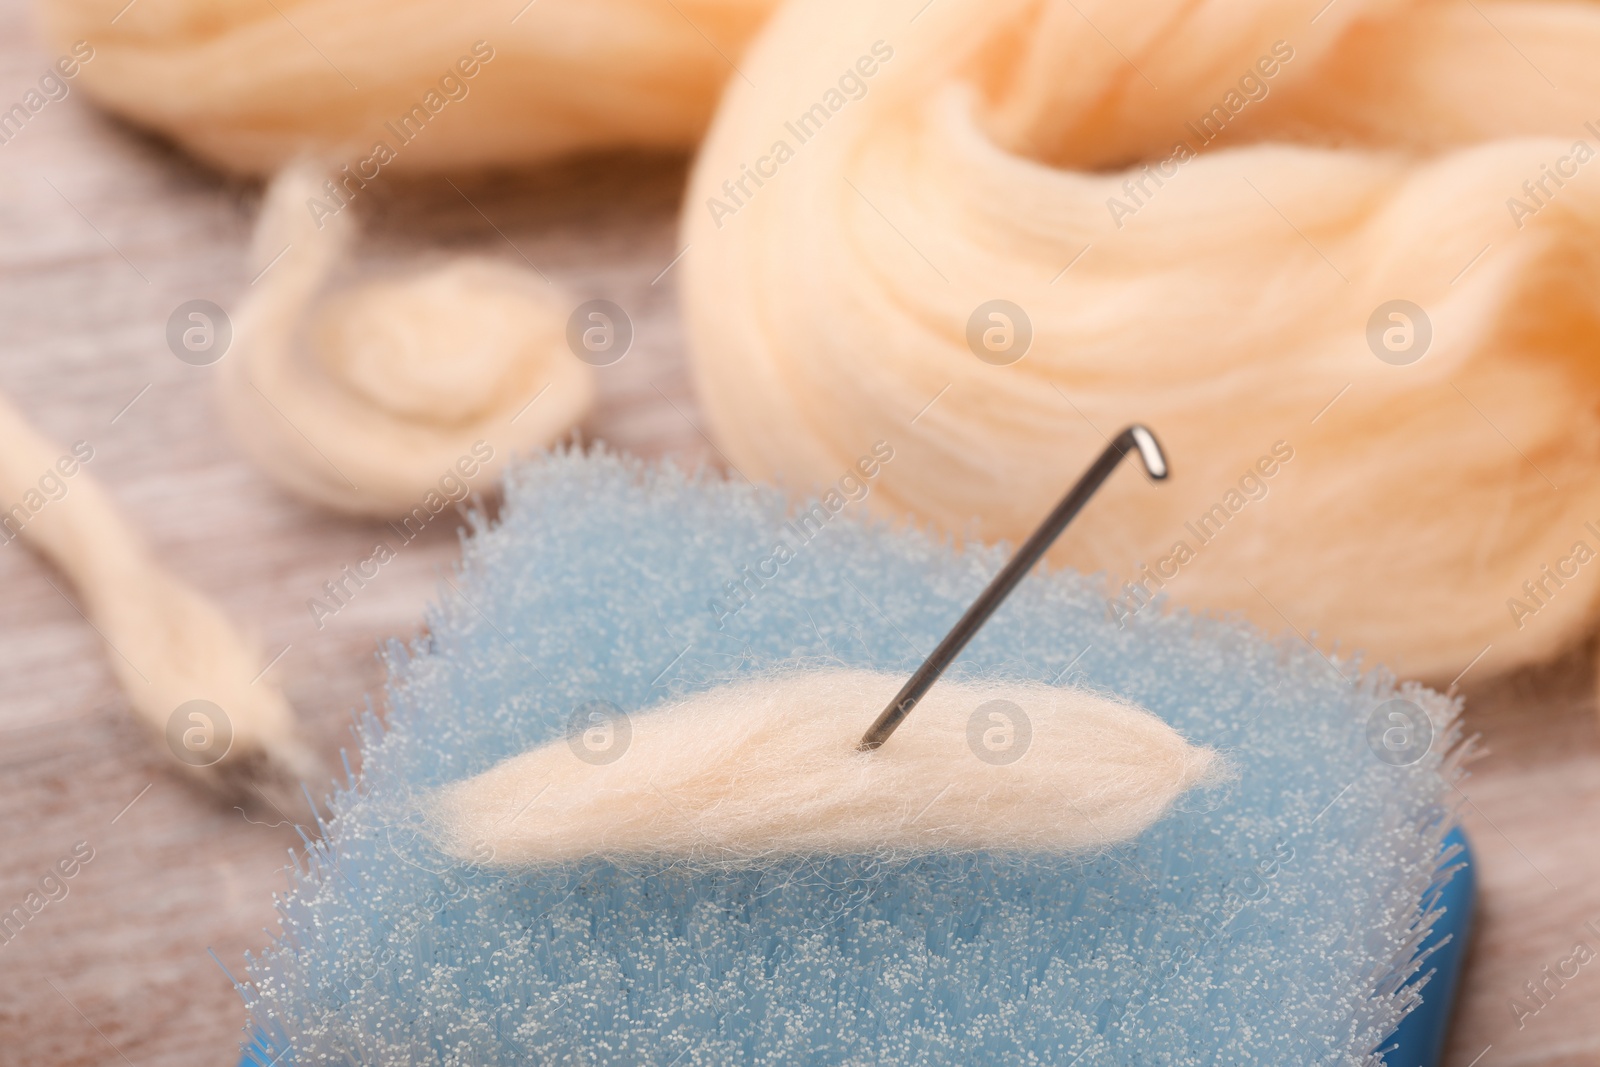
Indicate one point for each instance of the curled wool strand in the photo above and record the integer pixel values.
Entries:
(166, 642)
(913, 169)
(768, 767)
(251, 85)
(361, 401)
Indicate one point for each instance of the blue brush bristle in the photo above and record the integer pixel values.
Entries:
(1271, 922)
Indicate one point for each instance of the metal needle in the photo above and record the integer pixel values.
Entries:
(1133, 439)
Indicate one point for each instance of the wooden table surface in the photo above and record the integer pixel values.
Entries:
(105, 232)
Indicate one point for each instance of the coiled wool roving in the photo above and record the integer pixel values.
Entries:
(1201, 214)
(1204, 217)
(361, 400)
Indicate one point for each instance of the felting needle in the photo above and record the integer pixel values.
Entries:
(1135, 438)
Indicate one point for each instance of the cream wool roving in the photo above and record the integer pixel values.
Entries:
(362, 400)
(1201, 212)
(1204, 216)
(250, 86)
(768, 767)
(167, 644)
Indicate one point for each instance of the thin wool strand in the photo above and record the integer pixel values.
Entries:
(166, 642)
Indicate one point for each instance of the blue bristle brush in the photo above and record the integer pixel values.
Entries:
(1290, 916)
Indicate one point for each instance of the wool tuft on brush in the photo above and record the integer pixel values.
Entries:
(769, 767)
(1269, 919)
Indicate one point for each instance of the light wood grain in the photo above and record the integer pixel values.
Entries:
(105, 232)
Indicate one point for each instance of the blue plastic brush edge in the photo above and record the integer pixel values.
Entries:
(1419, 1040)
